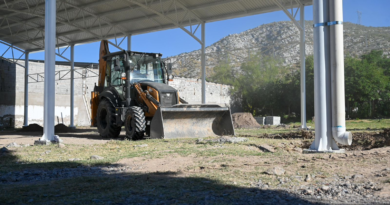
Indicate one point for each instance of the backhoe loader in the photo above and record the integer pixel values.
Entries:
(133, 92)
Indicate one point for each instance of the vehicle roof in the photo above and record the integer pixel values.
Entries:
(131, 53)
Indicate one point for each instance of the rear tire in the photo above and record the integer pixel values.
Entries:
(105, 120)
(135, 123)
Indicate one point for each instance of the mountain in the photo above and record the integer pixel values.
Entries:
(279, 39)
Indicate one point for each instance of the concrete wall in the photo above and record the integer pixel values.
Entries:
(12, 94)
(190, 89)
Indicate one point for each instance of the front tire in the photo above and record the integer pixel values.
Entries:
(135, 123)
(106, 120)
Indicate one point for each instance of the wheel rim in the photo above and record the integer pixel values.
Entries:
(103, 118)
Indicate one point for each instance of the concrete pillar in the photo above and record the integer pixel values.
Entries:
(303, 68)
(26, 54)
(72, 86)
(50, 59)
(203, 62)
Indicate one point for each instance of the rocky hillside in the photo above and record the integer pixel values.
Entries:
(280, 39)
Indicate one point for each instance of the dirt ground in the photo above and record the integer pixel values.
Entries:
(80, 136)
(360, 176)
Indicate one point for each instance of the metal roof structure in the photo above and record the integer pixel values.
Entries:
(22, 22)
(37, 25)
(76, 64)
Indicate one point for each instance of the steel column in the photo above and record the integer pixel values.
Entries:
(321, 75)
(203, 59)
(50, 58)
(129, 42)
(303, 68)
(26, 89)
(72, 86)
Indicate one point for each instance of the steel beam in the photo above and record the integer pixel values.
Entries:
(203, 59)
(129, 42)
(321, 62)
(303, 67)
(146, 7)
(72, 86)
(26, 58)
(49, 86)
(291, 16)
(116, 46)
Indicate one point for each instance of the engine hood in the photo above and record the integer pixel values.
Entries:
(160, 87)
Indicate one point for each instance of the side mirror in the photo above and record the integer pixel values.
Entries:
(169, 68)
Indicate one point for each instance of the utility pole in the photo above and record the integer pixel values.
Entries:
(359, 17)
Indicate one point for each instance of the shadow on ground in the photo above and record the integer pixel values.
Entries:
(89, 133)
(81, 133)
(100, 185)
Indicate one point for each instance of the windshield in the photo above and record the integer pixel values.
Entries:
(146, 68)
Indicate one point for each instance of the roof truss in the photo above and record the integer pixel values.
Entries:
(22, 21)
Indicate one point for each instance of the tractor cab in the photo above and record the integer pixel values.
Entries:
(139, 66)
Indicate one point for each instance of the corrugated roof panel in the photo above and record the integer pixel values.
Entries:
(77, 18)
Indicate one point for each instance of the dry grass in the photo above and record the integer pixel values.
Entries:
(221, 168)
(360, 124)
(54, 157)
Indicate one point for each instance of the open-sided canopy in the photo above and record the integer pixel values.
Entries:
(22, 22)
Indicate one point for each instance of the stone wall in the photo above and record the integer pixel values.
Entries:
(12, 94)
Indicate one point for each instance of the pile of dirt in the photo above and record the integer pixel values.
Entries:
(244, 120)
(60, 128)
(368, 140)
(361, 140)
(289, 135)
(32, 128)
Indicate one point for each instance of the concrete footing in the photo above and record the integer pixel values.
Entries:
(310, 151)
(42, 142)
(48, 142)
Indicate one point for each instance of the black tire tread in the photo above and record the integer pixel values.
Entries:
(138, 119)
(113, 129)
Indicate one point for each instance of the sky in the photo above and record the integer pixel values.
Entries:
(375, 13)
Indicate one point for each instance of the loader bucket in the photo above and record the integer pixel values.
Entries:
(191, 121)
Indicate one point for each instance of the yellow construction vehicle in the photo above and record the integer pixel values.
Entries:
(133, 92)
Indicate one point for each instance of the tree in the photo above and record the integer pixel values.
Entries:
(263, 87)
(365, 83)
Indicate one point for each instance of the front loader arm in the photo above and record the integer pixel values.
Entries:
(152, 103)
(104, 50)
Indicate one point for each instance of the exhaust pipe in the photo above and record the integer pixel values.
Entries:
(337, 73)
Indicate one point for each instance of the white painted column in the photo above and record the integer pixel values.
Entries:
(337, 73)
(203, 62)
(72, 86)
(303, 68)
(26, 54)
(320, 17)
(49, 85)
(129, 42)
